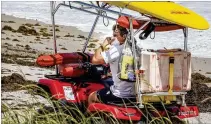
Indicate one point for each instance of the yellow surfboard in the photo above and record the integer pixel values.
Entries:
(168, 11)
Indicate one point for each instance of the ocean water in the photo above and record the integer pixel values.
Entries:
(199, 42)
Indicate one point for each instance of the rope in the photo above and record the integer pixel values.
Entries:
(105, 14)
(153, 35)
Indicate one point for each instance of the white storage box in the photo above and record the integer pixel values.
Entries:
(156, 71)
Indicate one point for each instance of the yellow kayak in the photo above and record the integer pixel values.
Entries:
(168, 11)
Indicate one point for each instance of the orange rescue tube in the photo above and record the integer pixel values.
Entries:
(63, 58)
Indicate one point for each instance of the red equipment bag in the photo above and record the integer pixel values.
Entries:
(71, 70)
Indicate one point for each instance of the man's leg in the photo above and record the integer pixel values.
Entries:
(93, 98)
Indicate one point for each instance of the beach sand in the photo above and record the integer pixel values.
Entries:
(19, 52)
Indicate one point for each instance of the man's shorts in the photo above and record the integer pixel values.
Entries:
(106, 96)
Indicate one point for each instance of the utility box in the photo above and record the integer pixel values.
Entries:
(158, 75)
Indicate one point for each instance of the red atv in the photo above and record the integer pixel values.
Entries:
(167, 72)
(74, 91)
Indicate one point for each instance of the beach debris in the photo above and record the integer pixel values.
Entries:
(43, 29)
(27, 47)
(68, 35)
(8, 21)
(28, 24)
(7, 38)
(63, 48)
(37, 24)
(14, 82)
(200, 93)
(19, 45)
(7, 28)
(91, 45)
(15, 40)
(25, 31)
(44, 34)
(94, 40)
(81, 36)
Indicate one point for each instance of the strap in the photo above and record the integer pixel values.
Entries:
(54, 59)
(83, 55)
(171, 72)
(88, 57)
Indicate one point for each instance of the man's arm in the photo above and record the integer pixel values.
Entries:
(97, 58)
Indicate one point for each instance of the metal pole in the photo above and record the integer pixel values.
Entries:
(112, 11)
(83, 11)
(137, 83)
(185, 31)
(53, 26)
(90, 33)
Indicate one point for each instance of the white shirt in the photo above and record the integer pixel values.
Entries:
(120, 88)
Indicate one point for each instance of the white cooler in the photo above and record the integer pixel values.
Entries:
(155, 77)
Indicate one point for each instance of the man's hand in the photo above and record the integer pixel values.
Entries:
(108, 41)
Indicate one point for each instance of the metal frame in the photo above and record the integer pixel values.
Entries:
(98, 13)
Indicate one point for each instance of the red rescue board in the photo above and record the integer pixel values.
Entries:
(124, 22)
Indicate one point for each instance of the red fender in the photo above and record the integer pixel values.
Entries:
(80, 94)
(118, 112)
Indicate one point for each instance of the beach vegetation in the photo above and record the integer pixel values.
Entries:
(55, 112)
(13, 59)
(2, 32)
(8, 28)
(7, 44)
(40, 42)
(11, 22)
(15, 40)
(28, 24)
(63, 48)
(57, 29)
(2, 38)
(81, 36)
(7, 38)
(25, 31)
(43, 29)
(14, 31)
(27, 47)
(94, 40)
(37, 39)
(57, 36)
(44, 34)
(19, 45)
(8, 21)
(68, 35)
(37, 24)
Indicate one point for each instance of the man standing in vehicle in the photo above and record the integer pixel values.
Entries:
(120, 90)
